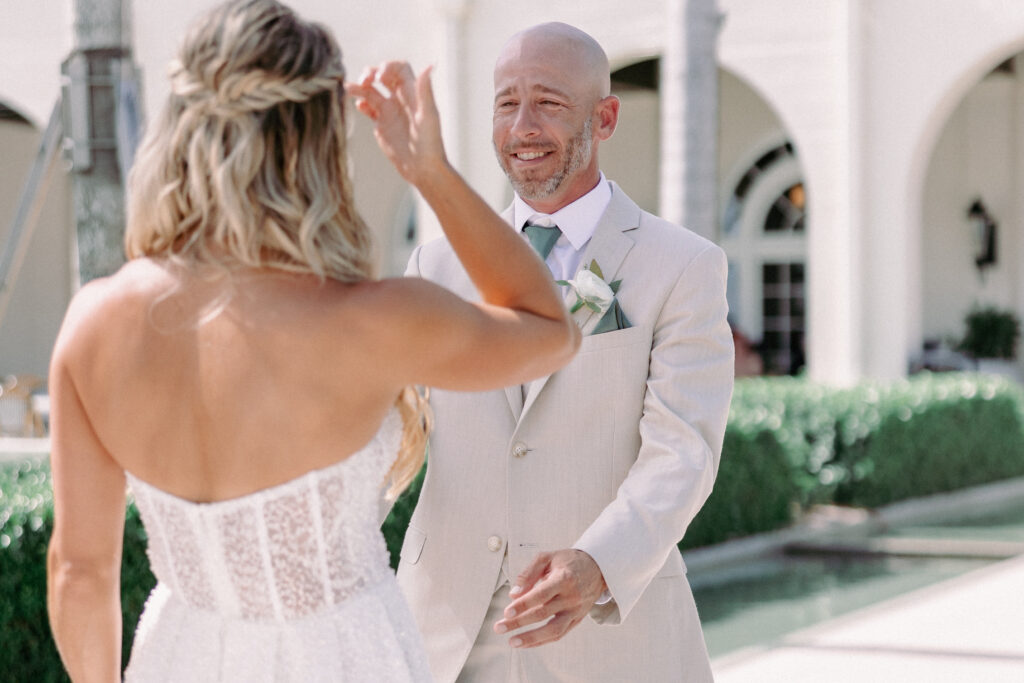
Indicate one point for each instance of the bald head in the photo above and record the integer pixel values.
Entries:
(562, 47)
(552, 107)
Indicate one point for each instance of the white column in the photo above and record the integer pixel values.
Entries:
(836, 276)
(689, 115)
(449, 81)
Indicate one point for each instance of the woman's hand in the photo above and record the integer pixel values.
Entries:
(406, 122)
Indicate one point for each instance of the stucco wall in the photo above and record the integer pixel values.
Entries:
(42, 290)
(864, 88)
(974, 158)
(922, 58)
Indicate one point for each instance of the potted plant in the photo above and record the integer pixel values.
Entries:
(991, 339)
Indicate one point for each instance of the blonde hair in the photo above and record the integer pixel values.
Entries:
(247, 165)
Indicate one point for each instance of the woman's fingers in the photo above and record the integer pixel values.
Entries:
(364, 99)
(425, 91)
(398, 77)
(406, 122)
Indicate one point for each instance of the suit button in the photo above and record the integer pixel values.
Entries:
(494, 543)
(519, 450)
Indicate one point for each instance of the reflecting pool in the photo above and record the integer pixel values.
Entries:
(761, 600)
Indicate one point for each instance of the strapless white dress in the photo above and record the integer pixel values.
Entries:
(291, 583)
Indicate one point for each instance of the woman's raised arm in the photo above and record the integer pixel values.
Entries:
(523, 317)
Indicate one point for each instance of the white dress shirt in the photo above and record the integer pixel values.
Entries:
(577, 221)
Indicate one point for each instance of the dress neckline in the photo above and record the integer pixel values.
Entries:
(275, 489)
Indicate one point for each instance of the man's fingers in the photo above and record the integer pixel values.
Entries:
(528, 615)
(530, 575)
(549, 633)
(540, 593)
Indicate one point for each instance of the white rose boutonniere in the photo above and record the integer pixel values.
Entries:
(593, 292)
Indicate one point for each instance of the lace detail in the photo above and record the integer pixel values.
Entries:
(249, 582)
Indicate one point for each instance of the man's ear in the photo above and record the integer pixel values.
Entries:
(607, 112)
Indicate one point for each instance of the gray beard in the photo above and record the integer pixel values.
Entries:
(578, 155)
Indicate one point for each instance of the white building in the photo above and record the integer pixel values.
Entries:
(854, 135)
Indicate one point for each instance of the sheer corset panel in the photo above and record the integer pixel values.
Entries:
(278, 554)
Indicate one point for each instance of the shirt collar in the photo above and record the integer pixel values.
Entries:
(578, 220)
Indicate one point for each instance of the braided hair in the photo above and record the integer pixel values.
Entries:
(247, 166)
(247, 163)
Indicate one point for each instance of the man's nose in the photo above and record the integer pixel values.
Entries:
(525, 124)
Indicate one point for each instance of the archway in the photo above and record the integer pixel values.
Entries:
(762, 204)
(977, 156)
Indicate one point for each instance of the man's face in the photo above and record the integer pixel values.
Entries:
(543, 129)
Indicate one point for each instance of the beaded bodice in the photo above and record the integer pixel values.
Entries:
(277, 554)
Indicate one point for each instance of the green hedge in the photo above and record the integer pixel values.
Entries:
(877, 442)
(754, 490)
(946, 433)
(28, 652)
(790, 443)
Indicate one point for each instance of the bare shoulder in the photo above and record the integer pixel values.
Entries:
(98, 307)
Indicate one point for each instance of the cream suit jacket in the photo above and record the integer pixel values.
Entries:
(614, 455)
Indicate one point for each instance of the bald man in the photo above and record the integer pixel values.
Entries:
(543, 547)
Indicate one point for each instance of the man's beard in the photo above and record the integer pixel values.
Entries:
(577, 155)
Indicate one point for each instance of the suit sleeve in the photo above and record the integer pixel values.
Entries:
(686, 405)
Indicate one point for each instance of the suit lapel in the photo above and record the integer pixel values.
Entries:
(608, 247)
(513, 393)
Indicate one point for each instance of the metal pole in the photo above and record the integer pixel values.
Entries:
(91, 78)
(29, 205)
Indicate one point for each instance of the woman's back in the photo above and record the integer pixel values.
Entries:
(246, 349)
(210, 385)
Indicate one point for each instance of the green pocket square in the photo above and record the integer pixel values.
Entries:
(612, 320)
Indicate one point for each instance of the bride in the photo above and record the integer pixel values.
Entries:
(250, 379)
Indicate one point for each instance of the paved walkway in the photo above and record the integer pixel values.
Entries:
(969, 629)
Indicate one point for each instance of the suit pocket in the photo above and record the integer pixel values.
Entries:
(612, 340)
(412, 545)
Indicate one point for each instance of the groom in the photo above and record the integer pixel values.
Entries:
(543, 547)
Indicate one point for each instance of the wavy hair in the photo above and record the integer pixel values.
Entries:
(247, 165)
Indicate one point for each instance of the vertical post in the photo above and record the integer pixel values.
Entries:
(91, 76)
(450, 88)
(689, 115)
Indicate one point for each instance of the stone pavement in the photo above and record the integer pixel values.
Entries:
(968, 629)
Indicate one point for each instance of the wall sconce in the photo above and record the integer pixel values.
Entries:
(983, 234)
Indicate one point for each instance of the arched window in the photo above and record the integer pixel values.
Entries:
(763, 233)
(8, 114)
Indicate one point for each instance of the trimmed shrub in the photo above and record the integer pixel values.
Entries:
(991, 333)
(754, 491)
(933, 434)
(26, 522)
(790, 443)
(880, 442)
(26, 517)
(398, 519)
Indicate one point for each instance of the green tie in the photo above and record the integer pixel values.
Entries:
(542, 238)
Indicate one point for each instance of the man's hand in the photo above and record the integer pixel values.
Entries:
(564, 585)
